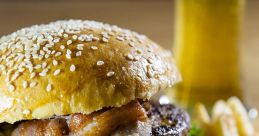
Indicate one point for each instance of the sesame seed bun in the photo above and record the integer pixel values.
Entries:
(76, 66)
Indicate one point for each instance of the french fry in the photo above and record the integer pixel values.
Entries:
(225, 126)
(223, 121)
(201, 115)
(244, 125)
(228, 119)
(218, 109)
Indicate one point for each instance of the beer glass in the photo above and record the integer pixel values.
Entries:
(207, 38)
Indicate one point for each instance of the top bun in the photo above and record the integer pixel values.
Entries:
(78, 66)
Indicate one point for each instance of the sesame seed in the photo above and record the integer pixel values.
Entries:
(37, 66)
(42, 52)
(69, 51)
(24, 84)
(11, 87)
(45, 48)
(62, 47)
(120, 38)
(68, 56)
(127, 38)
(26, 112)
(30, 69)
(136, 58)
(133, 40)
(150, 72)
(80, 46)
(131, 44)
(35, 56)
(88, 39)
(110, 74)
(55, 63)
(74, 37)
(58, 54)
(69, 42)
(150, 60)
(130, 57)
(139, 51)
(149, 50)
(7, 78)
(104, 34)
(100, 63)
(3, 67)
(47, 56)
(79, 53)
(80, 38)
(32, 75)
(105, 39)
(65, 35)
(56, 72)
(44, 65)
(33, 84)
(40, 57)
(21, 69)
(49, 87)
(72, 68)
(96, 39)
(15, 76)
(4, 57)
(124, 69)
(44, 72)
(94, 48)
(10, 63)
(56, 40)
(53, 52)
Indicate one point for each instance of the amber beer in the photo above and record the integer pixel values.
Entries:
(206, 47)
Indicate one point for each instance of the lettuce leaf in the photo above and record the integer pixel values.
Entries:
(195, 131)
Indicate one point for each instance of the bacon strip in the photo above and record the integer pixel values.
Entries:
(96, 124)
(51, 127)
(109, 121)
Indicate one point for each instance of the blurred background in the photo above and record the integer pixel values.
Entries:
(155, 18)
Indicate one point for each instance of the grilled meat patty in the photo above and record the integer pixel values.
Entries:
(167, 120)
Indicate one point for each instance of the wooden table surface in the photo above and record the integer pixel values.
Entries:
(151, 17)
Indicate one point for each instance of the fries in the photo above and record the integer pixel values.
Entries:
(202, 118)
(227, 119)
(244, 125)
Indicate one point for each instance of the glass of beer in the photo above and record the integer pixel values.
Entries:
(207, 38)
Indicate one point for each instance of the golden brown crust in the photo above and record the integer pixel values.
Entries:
(98, 66)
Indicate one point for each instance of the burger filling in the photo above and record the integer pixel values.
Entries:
(131, 119)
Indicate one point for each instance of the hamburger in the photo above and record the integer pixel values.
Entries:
(85, 78)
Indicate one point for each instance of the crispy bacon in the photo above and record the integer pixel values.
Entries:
(51, 127)
(96, 124)
(107, 122)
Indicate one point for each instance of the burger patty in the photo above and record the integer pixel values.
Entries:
(164, 120)
(167, 120)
